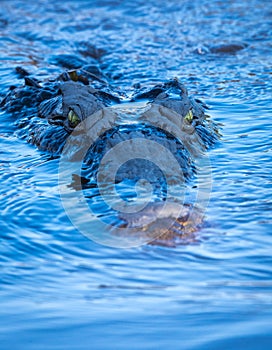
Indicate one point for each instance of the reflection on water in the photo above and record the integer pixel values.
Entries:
(214, 293)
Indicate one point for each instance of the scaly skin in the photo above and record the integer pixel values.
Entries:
(47, 113)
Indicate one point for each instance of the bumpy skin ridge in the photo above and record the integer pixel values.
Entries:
(39, 109)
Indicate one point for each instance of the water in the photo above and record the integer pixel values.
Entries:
(60, 290)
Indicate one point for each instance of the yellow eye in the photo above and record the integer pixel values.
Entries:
(189, 117)
(73, 119)
(73, 75)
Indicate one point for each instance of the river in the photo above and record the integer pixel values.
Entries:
(59, 289)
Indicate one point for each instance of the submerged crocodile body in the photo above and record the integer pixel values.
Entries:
(48, 113)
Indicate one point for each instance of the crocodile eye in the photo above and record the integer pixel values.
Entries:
(189, 117)
(73, 119)
(73, 75)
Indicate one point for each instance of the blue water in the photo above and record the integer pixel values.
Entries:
(60, 290)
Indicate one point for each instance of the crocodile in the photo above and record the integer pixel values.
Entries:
(47, 113)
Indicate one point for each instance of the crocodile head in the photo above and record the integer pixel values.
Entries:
(47, 115)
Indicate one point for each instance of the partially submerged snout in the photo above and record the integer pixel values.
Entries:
(161, 223)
